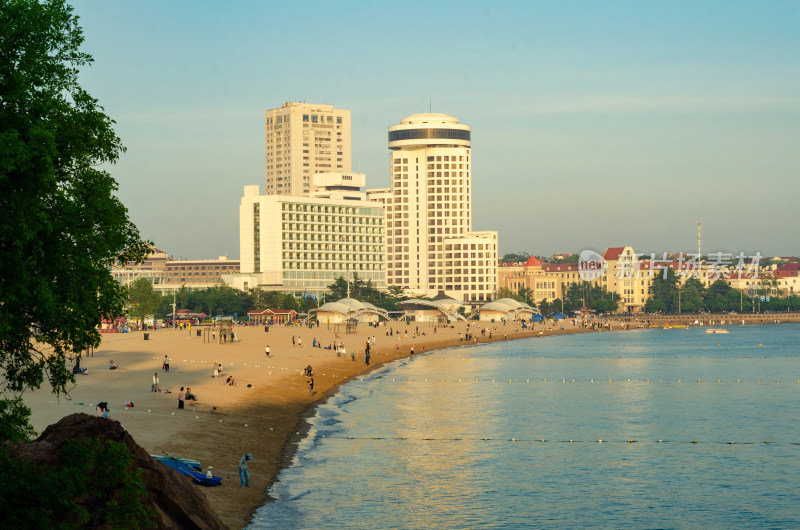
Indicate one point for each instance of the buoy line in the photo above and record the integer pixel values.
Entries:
(629, 441)
(574, 380)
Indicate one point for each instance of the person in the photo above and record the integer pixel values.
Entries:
(191, 397)
(112, 365)
(311, 386)
(412, 351)
(366, 359)
(181, 396)
(102, 409)
(216, 372)
(352, 355)
(266, 351)
(244, 475)
(212, 410)
(299, 342)
(155, 387)
(77, 369)
(165, 366)
(229, 382)
(308, 371)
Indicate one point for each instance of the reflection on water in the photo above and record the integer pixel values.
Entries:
(508, 435)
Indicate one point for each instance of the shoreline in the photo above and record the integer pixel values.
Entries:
(270, 416)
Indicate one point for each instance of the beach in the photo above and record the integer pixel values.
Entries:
(262, 413)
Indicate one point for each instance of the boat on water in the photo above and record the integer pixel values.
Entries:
(190, 468)
(677, 326)
(717, 330)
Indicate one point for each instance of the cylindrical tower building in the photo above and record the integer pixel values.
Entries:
(430, 206)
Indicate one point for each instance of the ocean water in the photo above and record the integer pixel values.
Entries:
(697, 430)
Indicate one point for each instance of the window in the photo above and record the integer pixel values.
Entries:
(314, 118)
(305, 117)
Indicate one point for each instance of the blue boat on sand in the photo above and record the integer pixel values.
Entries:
(190, 468)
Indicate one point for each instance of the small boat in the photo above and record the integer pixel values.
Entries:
(717, 330)
(190, 468)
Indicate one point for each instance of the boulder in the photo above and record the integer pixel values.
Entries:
(178, 502)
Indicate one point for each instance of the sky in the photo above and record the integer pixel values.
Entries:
(594, 124)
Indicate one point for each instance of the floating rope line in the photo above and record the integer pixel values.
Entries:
(542, 440)
(563, 380)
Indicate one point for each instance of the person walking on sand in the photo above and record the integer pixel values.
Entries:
(366, 359)
(293, 341)
(165, 365)
(311, 386)
(266, 351)
(244, 475)
(155, 388)
(181, 395)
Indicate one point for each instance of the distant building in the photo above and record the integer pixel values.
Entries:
(302, 139)
(152, 268)
(431, 248)
(197, 274)
(167, 274)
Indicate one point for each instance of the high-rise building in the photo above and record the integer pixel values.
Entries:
(431, 248)
(303, 139)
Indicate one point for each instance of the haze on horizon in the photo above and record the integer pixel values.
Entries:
(594, 124)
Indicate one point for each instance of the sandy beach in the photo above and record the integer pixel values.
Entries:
(262, 413)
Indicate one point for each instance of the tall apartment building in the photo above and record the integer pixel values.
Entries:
(302, 244)
(430, 244)
(303, 139)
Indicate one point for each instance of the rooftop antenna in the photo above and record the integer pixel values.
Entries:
(430, 105)
(698, 239)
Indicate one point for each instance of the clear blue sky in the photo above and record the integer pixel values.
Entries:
(595, 124)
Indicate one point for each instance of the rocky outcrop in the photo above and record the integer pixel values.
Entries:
(178, 502)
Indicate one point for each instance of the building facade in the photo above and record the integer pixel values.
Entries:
(302, 139)
(167, 274)
(431, 248)
(302, 244)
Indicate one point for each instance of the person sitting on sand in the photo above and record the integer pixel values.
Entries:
(229, 382)
(191, 397)
(112, 365)
(102, 409)
(212, 410)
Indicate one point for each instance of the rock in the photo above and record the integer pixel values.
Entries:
(178, 502)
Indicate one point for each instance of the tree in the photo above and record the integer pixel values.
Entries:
(143, 300)
(692, 295)
(515, 257)
(61, 230)
(664, 292)
(62, 227)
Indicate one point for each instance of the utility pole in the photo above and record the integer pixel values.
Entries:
(173, 308)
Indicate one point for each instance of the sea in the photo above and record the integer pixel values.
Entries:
(652, 428)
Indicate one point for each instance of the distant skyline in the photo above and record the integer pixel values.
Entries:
(594, 124)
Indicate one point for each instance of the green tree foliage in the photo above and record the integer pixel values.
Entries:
(62, 226)
(692, 293)
(14, 421)
(142, 299)
(663, 292)
(591, 296)
(95, 486)
(515, 257)
(363, 291)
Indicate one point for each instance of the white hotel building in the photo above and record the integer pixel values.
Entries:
(431, 248)
(302, 244)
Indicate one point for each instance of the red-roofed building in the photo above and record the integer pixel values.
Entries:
(790, 270)
(613, 253)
